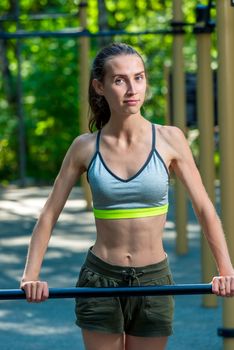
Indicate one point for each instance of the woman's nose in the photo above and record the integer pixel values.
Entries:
(131, 88)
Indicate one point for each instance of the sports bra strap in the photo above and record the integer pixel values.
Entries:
(153, 136)
(98, 140)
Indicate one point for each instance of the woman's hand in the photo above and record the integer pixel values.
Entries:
(36, 291)
(223, 285)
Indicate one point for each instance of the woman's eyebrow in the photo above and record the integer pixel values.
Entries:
(125, 75)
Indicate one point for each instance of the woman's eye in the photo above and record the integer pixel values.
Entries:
(139, 77)
(119, 81)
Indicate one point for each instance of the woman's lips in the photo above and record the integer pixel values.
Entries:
(131, 102)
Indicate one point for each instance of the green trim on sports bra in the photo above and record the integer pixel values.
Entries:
(129, 213)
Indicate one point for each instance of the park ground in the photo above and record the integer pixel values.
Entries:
(50, 325)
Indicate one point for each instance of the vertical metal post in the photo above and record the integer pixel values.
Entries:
(178, 103)
(205, 115)
(225, 31)
(84, 85)
(167, 94)
(20, 114)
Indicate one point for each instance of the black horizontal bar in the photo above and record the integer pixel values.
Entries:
(226, 332)
(179, 289)
(21, 34)
(74, 32)
(36, 17)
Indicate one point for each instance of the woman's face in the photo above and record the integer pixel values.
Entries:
(124, 84)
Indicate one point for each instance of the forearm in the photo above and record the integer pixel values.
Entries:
(37, 248)
(213, 231)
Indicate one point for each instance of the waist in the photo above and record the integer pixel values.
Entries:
(148, 272)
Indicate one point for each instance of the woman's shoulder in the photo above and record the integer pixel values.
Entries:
(168, 130)
(170, 133)
(84, 145)
(173, 140)
(84, 140)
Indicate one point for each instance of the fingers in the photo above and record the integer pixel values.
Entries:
(223, 286)
(36, 291)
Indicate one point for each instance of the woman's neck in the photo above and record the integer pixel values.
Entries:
(125, 126)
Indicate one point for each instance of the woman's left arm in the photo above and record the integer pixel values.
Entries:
(185, 169)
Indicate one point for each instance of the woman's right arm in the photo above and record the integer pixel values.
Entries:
(74, 164)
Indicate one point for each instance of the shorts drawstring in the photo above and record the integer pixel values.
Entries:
(130, 275)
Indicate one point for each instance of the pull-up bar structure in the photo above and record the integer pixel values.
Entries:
(179, 117)
(225, 33)
(76, 32)
(58, 293)
(205, 117)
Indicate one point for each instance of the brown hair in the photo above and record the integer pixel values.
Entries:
(99, 108)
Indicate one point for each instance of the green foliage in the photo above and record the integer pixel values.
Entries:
(50, 74)
(8, 155)
(51, 103)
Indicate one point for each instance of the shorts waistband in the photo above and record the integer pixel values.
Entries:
(117, 272)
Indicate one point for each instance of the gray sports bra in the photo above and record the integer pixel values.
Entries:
(144, 194)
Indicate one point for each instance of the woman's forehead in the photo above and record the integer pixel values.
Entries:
(124, 65)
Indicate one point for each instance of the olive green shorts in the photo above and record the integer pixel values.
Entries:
(147, 316)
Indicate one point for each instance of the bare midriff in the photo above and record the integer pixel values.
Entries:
(130, 242)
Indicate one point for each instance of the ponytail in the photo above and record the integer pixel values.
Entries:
(99, 108)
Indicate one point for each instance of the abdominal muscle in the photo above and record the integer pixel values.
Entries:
(130, 242)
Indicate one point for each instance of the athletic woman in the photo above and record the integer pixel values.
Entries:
(128, 161)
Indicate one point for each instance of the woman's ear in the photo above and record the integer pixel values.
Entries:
(98, 86)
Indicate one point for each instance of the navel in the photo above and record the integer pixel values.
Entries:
(128, 257)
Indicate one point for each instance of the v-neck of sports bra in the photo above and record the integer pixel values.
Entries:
(141, 168)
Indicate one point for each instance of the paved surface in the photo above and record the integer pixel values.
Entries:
(51, 325)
